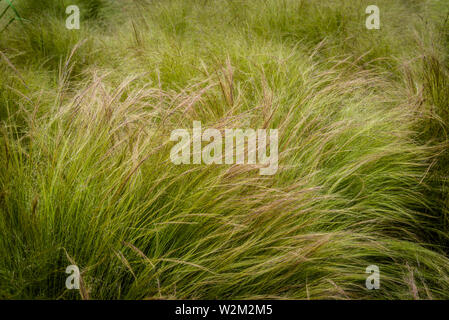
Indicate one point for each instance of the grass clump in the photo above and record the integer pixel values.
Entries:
(86, 177)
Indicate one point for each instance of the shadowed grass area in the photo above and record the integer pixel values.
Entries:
(86, 176)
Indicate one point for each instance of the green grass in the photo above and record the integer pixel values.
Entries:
(86, 177)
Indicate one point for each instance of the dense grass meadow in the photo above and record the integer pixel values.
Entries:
(85, 171)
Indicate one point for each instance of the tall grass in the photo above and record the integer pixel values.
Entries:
(86, 178)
